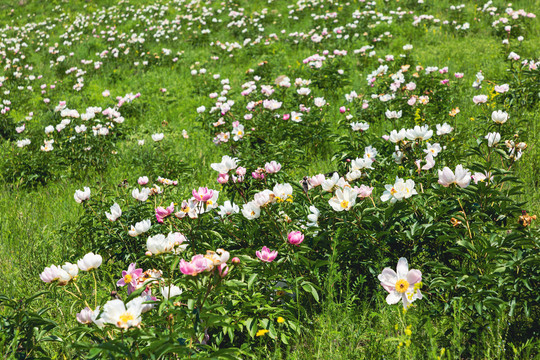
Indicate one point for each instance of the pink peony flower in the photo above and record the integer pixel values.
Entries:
(200, 263)
(295, 238)
(223, 178)
(363, 191)
(223, 270)
(316, 180)
(187, 268)
(162, 213)
(130, 277)
(203, 194)
(143, 180)
(266, 255)
(272, 167)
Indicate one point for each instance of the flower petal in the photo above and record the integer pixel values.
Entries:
(402, 268)
(414, 276)
(393, 298)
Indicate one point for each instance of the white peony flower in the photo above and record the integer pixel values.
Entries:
(123, 316)
(115, 213)
(82, 195)
(90, 261)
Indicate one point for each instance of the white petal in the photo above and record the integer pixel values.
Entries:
(393, 298)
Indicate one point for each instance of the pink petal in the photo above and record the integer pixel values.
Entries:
(414, 276)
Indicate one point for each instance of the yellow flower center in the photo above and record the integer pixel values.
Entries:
(209, 202)
(127, 278)
(344, 204)
(402, 285)
(240, 133)
(125, 317)
(393, 191)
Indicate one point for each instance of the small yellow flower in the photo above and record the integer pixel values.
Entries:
(262, 332)
(408, 331)
(280, 320)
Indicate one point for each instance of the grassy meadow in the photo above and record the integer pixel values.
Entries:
(40, 222)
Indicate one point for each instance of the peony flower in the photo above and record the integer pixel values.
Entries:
(251, 210)
(162, 213)
(170, 291)
(143, 180)
(313, 217)
(403, 285)
(50, 274)
(123, 316)
(141, 195)
(343, 199)
(493, 138)
(140, 227)
(82, 195)
(462, 177)
(316, 180)
(480, 99)
(115, 213)
(203, 194)
(89, 316)
(419, 133)
(433, 150)
(295, 237)
(272, 167)
(499, 117)
(159, 244)
(130, 277)
(201, 263)
(228, 208)
(223, 270)
(358, 126)
(502, 88)
(444, 129)
(397, 136)
(430, 162)
(393, 114)
(90, 261)
(187, 268)
(283, 192)
(266, 255)
(319, 101)
(400, 190)
(296, 116)
(330, 184)
(223, 178)
(71, 269)
(363, 191)
(227, 164)
(24, 142)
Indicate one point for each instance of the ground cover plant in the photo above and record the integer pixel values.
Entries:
(269, 179)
